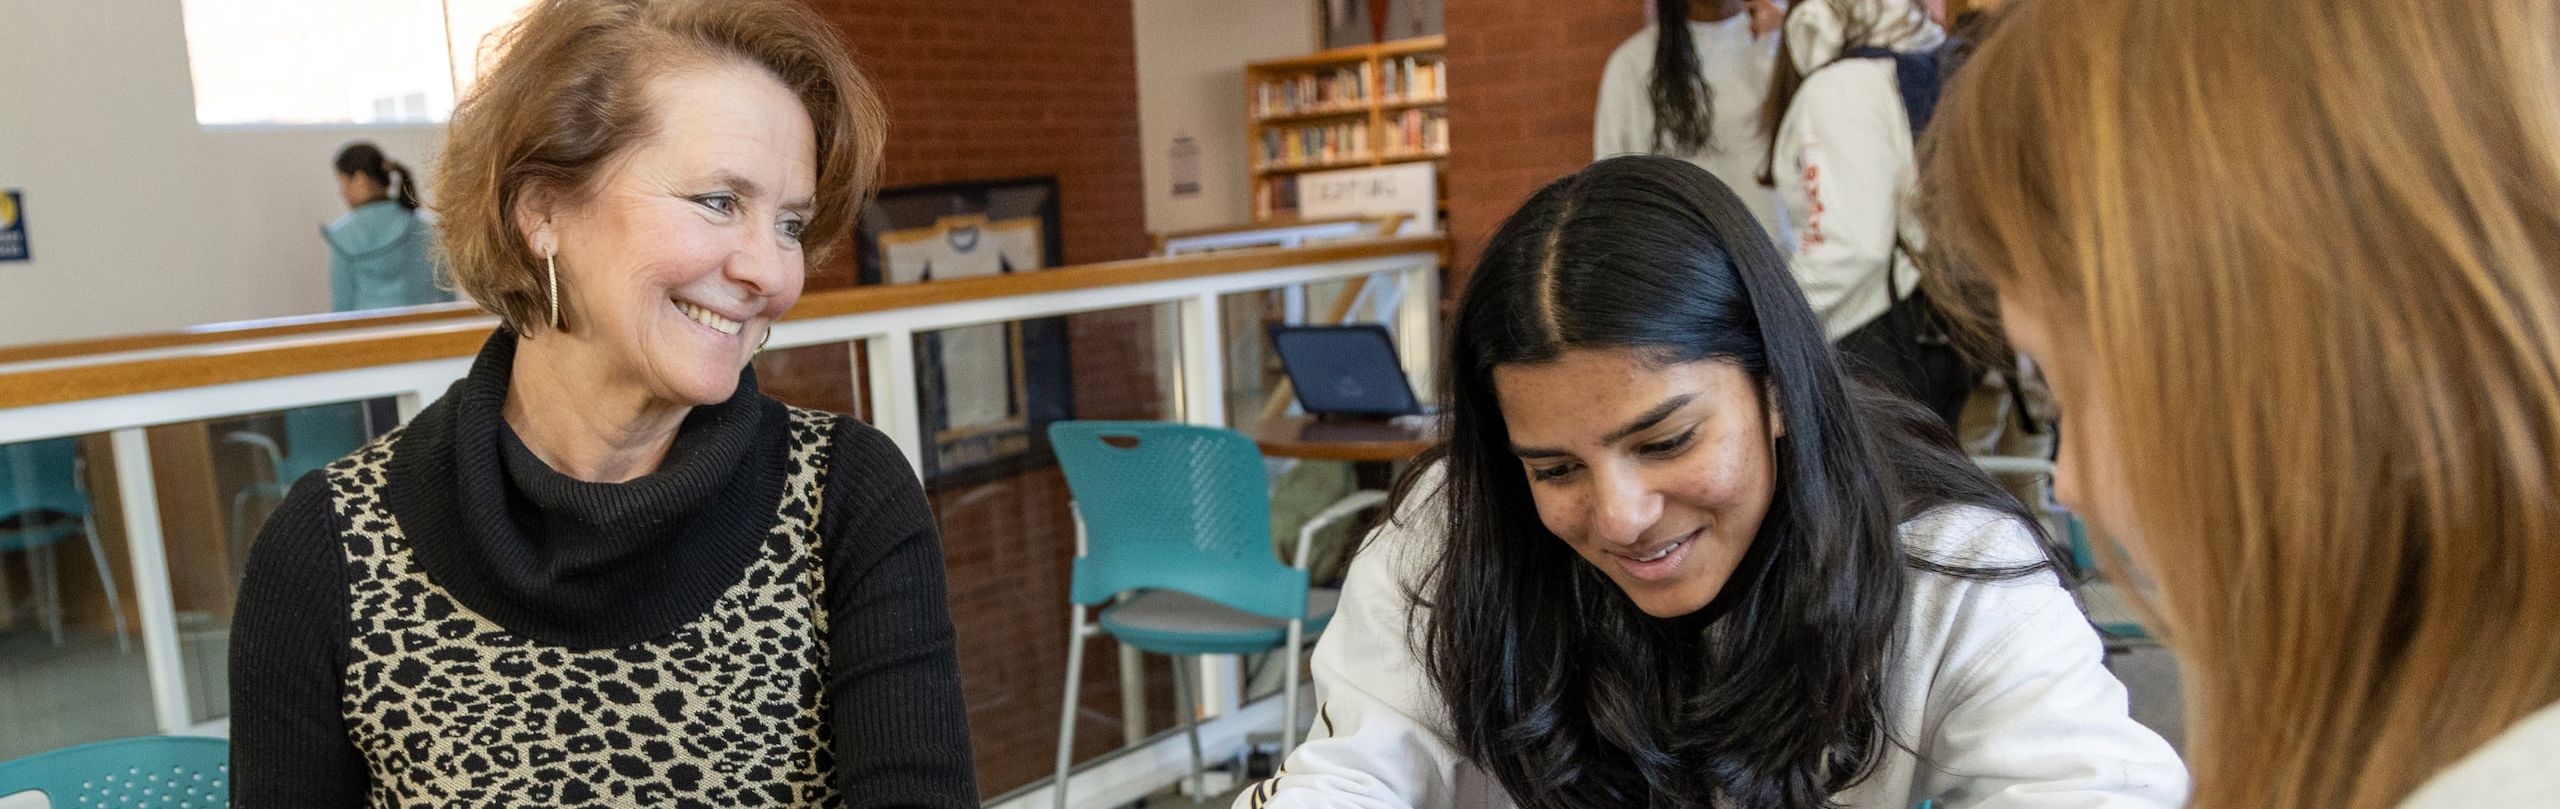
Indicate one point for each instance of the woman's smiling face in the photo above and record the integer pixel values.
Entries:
(675, 265)
(1656, 473)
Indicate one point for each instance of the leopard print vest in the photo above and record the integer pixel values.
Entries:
(451, 709)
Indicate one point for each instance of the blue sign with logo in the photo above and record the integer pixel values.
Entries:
(13, 226)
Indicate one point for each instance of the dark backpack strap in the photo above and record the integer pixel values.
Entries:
(1919, 75)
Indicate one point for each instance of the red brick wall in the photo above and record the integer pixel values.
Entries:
(980, 91)
(1525, 76)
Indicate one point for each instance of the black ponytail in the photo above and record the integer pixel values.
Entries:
(405, 191)
(1683, 104)
(364, 158)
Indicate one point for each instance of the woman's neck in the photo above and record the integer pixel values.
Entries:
(590, 430)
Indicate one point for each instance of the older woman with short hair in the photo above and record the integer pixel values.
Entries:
(604, 568)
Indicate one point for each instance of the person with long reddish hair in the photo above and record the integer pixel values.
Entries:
(2290, 268)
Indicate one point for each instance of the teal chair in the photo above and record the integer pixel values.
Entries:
(1174, 522)
(2108, 609)
(313, 436)
(41, 505)
(175, 772)
(2118, 623)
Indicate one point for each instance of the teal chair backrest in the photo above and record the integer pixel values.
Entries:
(178, 772)
(2081, 554)
(316, 435)
(1176, 507)
(38, 476)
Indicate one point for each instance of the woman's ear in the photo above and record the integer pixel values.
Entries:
(533, 219)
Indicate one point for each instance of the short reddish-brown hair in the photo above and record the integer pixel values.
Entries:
(567, 94)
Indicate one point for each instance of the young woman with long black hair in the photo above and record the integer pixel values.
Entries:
(1691, 85)
(1671, 557)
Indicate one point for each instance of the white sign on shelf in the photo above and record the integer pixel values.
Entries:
(1411, 188)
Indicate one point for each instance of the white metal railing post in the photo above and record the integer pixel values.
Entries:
(1204, 361)
(159, 616)
(1416, 321)
(1204, 402)
(893, 393)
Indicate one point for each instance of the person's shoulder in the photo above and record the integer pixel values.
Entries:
(1976, 557)
(866, 477)
(1969, 535)
(1853, 76)
(1634, 57)
(844, 433)
(2513, 769)
(301, 542)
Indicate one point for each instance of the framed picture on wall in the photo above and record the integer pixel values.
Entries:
(987, 393)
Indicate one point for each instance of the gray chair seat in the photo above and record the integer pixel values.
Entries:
(1175, 622)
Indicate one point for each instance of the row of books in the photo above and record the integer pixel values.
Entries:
(1415, 79)
(1315, 143)
(1327, 91)
(1416, 131)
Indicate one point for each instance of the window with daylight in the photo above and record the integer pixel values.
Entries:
(336, 62)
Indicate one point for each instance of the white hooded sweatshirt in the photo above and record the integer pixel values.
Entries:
(1844, 164)
(1996, 687)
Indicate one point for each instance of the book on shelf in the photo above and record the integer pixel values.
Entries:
(1344, 88)
(1416, 131)
(1279, 197)
(1415, 79)
(1314, 144)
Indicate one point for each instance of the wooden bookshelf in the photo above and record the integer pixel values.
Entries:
(1367, 105)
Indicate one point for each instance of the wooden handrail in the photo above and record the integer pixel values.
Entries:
(236, 331)
(217, 363)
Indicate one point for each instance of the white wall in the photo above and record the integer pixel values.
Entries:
(1191, 56)
(138, 219)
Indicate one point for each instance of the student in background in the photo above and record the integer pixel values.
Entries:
(2291, 270)
(378, 250)
(1843, 161)
(1670, 556)
(1691, 86)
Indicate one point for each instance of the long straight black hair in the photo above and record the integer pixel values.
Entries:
(1771, 697)
(1684, 109)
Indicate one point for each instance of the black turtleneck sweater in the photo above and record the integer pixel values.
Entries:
(586, 566)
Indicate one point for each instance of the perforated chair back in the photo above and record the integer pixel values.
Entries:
(41, 476)
(1178, 507)
(173, 772)
(317, 435)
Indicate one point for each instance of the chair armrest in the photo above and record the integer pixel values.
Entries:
(2013, 465)
(275, 453)
(1343, 509)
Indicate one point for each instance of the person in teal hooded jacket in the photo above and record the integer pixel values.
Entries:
(378, 251)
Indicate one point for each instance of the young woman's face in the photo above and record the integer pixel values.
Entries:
(1656, 474)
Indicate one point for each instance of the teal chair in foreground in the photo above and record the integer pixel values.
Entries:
(174, 772)
(1174, 521)
(42, 505)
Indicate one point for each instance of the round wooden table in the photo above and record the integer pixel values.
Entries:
(1366, 442)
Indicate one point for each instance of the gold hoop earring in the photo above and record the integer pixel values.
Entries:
(551, 270)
